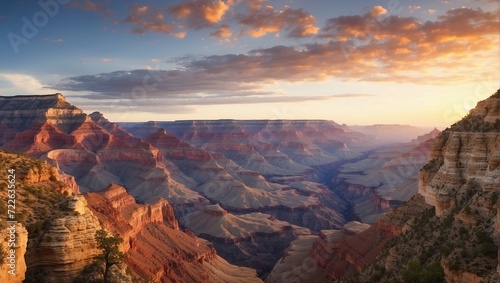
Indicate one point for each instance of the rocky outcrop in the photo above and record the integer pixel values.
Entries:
(36, 124)
(467, 151)
(66, 246)
(334, 254)
(155, 247)
(13, 267)
(460, 276)
(58, 240)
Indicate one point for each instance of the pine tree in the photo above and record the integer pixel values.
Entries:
(111, 254)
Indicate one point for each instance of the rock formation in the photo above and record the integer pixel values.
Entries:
(385, 178)
(13, 267)
(447, 232)
(241, 190)
(270, 147)
(155, 248)
(255, 240)
(55, 234)
(342, 253)
(267, 177)
(59, 241)
(66, 246)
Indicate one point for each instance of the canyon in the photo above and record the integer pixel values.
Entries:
(447, 232)
(242, 200)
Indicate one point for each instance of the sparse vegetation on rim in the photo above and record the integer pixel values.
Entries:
(436, 242)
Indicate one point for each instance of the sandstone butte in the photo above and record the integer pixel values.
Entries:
(454, 219)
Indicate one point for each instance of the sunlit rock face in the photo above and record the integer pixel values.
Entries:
(19, 265)
(67, 246)
(468, 150)
(155, 248)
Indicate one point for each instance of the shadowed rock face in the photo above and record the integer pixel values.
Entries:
(385, 178)
(342, 253)
(255, 240)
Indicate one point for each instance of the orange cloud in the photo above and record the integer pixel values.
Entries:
(201, 13)
(93, 7)
(378, 11)
(223, 31)
(255, 4)
(145, 19)
(296, 22)
(181, 34)
(362, 47)
(359, 47)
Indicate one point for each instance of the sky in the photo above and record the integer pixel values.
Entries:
(423, 63)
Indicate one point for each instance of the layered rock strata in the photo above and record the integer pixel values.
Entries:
(342, 253)
(67, 246)
(255, 240)
(155, 248)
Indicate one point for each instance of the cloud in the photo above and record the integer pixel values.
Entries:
(88, 5)
(200, 14)
(54, 40)
(155, 84)
(17, 84)
(457, 42)
(255, 4)
(145, 19)
(378, 11)
(414, 8)
(392, 49)
(139, 88)
(259, 22)
(177, 87)
(181, 34)
(401, 40)
(223, 31)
